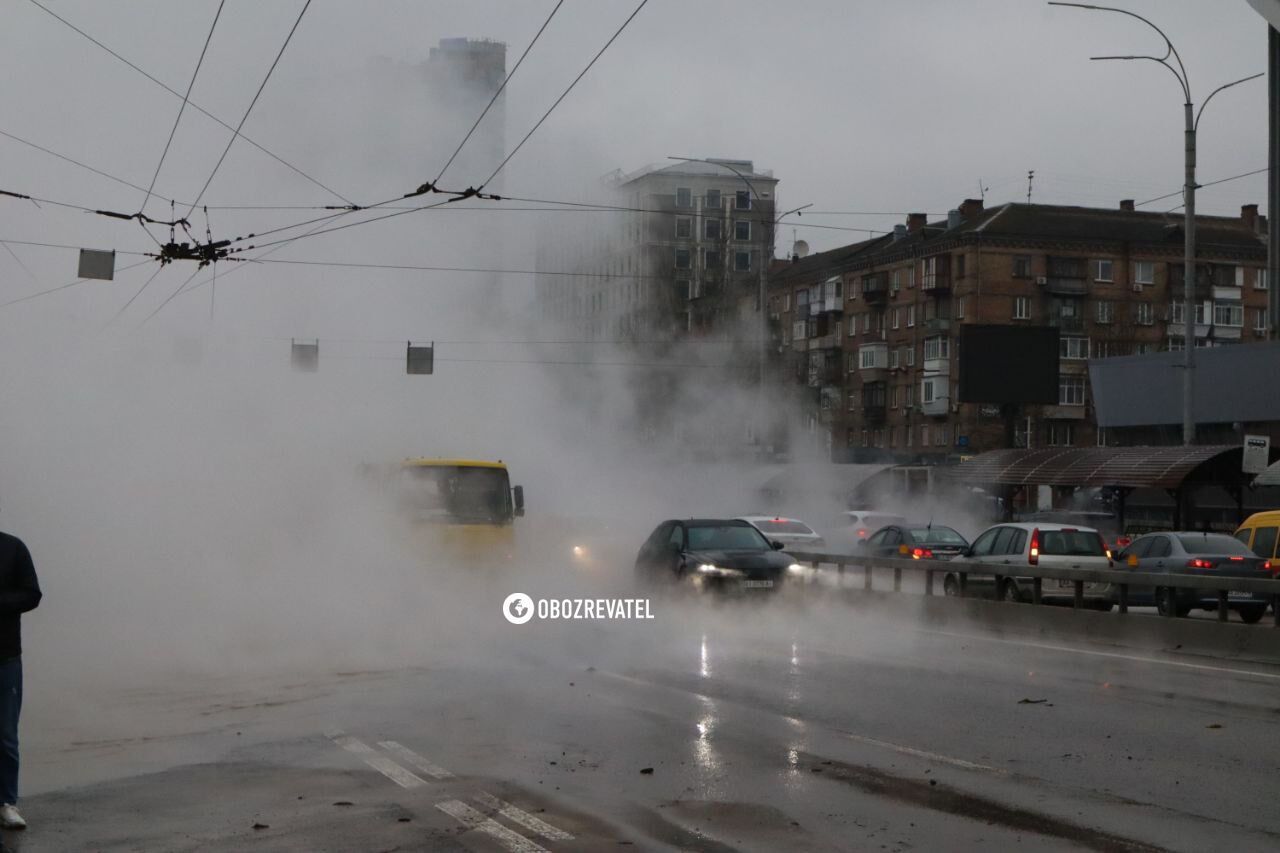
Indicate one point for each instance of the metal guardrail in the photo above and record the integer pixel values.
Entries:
(1122, 579)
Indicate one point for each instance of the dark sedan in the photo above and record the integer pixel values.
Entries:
(713, 553)
(1215, 554)
(922, 541)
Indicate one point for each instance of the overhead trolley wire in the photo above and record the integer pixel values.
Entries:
(185, 99)
(505, 81)
(194, 105)
(235, 133)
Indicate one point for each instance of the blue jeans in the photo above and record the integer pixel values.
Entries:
(10, 708)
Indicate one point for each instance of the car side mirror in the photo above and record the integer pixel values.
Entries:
(673, 548)
(776, 545)
(517, 496)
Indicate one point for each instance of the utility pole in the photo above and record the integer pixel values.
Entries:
(1191, 122)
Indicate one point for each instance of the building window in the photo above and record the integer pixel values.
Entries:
(682, 289)
(1177, 344)
(711, 258)
(893, 396)
(1260, 321)
(924, 435)
(742, 229)
(853, 326)
(712, 201)
(1260, 280)
(1070, 390)
(742, 200)
(1059, 434)
(1145, 314)
(911, 316)
(851, 364)
(711, 229)
(682, 259)
(895, 281)
(1073, 349)
(893, 436)
(1179, 313)
(742, 261)
(937, 347)
(911, 276)
(911, 356)
(1021, 307)
(1102, 270)
(1144, 272)
(1228, 314)
(959, 266)
(684, 197)
(894, 317)
(893, 359)
(684, 227)
(799, 329)
(866, 324)
(959, 307)
(942, 437)
(1106, 312)
(1022, 266)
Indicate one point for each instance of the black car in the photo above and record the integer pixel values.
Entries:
(713, 553)
(923, 541)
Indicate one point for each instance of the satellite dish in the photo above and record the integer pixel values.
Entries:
(800, 249)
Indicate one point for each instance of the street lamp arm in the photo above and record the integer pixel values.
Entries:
(744, 178)
(1170, 50)
(789, 212)
(1185, 91)
(1205, 103)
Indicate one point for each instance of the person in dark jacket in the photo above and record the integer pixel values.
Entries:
(19, 593)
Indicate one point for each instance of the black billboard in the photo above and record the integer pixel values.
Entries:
(1008, 364)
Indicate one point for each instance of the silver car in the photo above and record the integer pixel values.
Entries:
(1034, 544)
(791, 532)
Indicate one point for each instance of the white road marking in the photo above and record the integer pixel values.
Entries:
(405, 754)
(1204, 667)
(400, 775)
(925, 754)
(522, 817)
(508, 838)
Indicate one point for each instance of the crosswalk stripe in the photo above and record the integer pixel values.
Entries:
(508, 838)
(406, 754)
(522, 817)
(400, 775)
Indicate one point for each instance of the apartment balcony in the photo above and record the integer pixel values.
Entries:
(934, 325)
(1064, 286)
(937, 282)
(1062, 413)
(937, 366)
(1067, 322)
(875, 288)
(935, 408)
(1179, 330)
(1227, 333)
(824, 342)
(826, 305)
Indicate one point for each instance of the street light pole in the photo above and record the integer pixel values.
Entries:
(1191, 119)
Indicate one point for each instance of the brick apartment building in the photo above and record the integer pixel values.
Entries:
(872, 328)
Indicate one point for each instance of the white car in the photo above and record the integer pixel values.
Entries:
(860, 524)
(791, 532)
(1034, 544)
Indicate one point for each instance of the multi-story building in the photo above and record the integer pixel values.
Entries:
(873, 327)
(677, 250)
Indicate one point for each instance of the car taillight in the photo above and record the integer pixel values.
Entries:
(921, 554)
(1267, 567)
(862, 533)
(1199, 563)
(1033, 556)
(1236, 559)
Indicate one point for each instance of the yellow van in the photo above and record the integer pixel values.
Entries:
(1260, 531)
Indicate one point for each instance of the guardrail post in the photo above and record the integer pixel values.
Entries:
(1037, 587)
(1224, 612)
(1275, 609)
(839, 570)
(866, 577)
(1077, 601)
(964, 584)
(928, 583)
(1124, 598)
(897, 580)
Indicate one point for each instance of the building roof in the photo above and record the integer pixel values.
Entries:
(1134, 467)
(700, 168)
(822, 262)
(1232, 384)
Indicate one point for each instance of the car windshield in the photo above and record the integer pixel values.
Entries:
(1071, 543)
(1214, 543)
(936, 536)
(456, 494)
(726, 537)
(778, 525)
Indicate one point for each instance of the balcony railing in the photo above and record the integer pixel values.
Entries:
(937, 324)
(1067, 322)
(1063, 286)
(935, 408)
(875, 288)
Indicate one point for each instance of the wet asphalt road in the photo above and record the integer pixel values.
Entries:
(715, 726)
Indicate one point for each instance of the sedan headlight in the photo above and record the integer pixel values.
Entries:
(708, 569)
(712, 570)
(797, 569)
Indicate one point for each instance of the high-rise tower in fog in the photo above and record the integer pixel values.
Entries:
(463, 74)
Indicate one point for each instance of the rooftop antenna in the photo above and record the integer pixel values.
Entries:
(982, 191)
(1030, 175)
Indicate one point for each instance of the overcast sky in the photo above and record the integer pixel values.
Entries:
(854, 105)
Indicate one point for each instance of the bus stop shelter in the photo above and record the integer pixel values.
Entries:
(1177, 470)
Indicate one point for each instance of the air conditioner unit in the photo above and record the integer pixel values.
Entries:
(955, 408)
(1137, 288)
(1041, 279)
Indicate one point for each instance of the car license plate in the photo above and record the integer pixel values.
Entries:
(1066, 584)
(757, 584)
(1236, 595)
